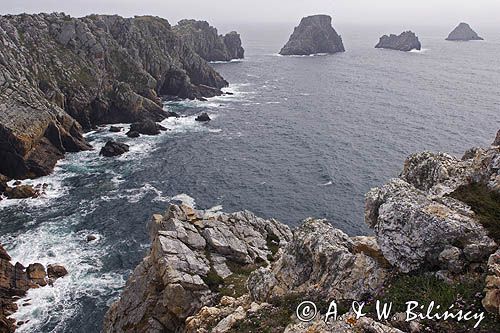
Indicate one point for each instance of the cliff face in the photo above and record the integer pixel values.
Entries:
(207, 43)
(239, 273)
(463, 32)
(407, 41)
(314, 34)
(60, 74)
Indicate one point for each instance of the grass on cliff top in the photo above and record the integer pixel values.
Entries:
(485, 203)
(424, 289)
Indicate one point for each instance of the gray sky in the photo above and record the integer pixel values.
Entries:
(421, 12)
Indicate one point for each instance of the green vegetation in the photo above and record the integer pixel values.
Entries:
(485, 203)
(213, 280)
(425, 288)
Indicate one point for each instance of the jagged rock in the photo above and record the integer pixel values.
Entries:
(206, 42)
(463, 32)
(320, 259)
(497, 140)
(21, 192)
(203, 117)
(412, 230)
(115, 129)
(147, 127)
(36, 273)
(90, 238)
(3, 183)
(112, 148)
(55, 271)
(491, 301)
(314, 34)
(177, 278)
(95, 70)
(407, 41)
(364, 324)
(133, 134)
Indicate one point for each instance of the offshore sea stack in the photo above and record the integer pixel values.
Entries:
(314, 34)
(463, 32)
(62, 75)
(218, 272)
(207, 43)
(407, 41)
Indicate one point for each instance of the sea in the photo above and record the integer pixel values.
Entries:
(299, 137)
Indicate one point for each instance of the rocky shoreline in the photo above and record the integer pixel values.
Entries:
(16, 280)
(217, 272)
(62, 76)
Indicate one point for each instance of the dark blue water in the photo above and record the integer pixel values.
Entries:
(301, 136)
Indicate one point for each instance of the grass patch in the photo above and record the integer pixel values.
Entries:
(485, 203)
(424, 289)
(213, 280)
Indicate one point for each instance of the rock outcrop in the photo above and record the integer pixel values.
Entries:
(497, 140)
(463, 32)
(221, 272)
(207, 43)
(314, 34)
(113, 148)
(61, 75)
(15, 281)
(192, 255)
(407, 41)
(204, 117)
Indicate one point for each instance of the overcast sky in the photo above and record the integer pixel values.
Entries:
(422, 12)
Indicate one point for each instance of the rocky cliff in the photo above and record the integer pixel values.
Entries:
(435, 238)
(407, 41)
(463, 32)
(207, 43)
(314, 34)
(61, 74)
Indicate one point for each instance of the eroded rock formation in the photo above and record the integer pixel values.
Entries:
(61, 74)
(407, 41)
(314, 34)
(207, 42)
(463, 32)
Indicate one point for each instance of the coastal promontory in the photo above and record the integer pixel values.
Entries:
(314, 34)
(406, 41)
(463, 32)
(61, 76)
(207, 43)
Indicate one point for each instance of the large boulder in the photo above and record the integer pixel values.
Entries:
(21, 192)
(497, 140)
(406, 41)
(113, 148)
(463, 32)
(147, 127)
(314, 34)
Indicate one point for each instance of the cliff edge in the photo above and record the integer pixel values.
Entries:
(61, 75)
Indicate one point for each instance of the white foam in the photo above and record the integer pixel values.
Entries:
(419, 51)
(185, 199)
(227, 62)
(51, 243)
(326, 184)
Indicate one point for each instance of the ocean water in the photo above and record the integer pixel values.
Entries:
(300, 137)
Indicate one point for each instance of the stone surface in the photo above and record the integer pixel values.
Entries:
(322, 259)
(203, 117)
(113, 148)
(55, 271)
(96, 69)
(314, 34)
(115, 129)
(21, 192)
(406, 41)
(491, 301)
(497, 140)
(463, 32)
(207, 43)
(147, 127)
(176, 279)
